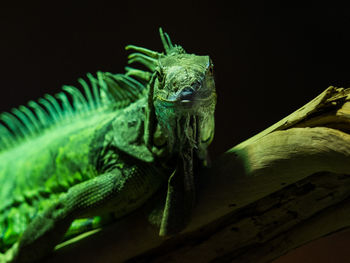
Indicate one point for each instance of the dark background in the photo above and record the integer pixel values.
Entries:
(270, 58)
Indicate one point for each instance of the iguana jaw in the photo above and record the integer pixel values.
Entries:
(189, 103)
(187, 128)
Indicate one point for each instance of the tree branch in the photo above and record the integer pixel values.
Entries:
(282, 188)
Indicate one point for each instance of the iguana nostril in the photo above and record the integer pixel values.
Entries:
(187, 94)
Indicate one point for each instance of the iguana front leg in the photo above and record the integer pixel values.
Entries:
(181, 195)
(113, 191)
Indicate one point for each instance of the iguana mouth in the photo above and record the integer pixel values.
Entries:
(187, 101)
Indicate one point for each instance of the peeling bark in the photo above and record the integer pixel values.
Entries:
(278, 190)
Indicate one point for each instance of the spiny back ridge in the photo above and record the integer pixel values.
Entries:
(103, 92)
(107, 91)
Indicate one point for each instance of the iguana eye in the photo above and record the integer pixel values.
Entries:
(160, 77)
(160, 73)
(211, 69)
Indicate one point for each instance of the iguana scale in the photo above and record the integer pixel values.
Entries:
(71, 161)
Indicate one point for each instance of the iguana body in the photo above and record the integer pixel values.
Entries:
(105, 152)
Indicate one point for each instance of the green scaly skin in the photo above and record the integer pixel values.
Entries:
(104, 154)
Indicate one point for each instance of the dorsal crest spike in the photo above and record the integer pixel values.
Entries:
(25, 122)
(102, 92)
(168, 45)
(164, 41)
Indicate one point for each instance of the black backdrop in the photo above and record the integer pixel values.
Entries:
(270, 58)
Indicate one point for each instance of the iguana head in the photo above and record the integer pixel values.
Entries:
(181, 96)
(184, 100)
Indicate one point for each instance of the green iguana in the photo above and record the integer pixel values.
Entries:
(70, 162)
